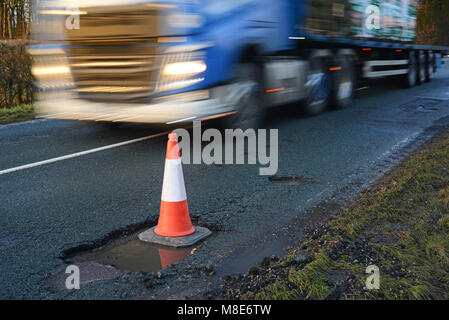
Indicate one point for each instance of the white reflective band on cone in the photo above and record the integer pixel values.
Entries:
(173, 188)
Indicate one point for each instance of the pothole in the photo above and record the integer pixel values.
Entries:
(290, 180)
(120, 252)
(114, 260)
(421, 105)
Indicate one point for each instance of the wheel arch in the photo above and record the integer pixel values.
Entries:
(250, 52)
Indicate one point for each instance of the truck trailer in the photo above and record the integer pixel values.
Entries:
(175, 61)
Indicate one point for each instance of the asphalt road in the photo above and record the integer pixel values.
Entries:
(50, 208)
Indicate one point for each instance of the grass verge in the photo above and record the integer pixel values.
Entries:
(401, 225)
(16, 114)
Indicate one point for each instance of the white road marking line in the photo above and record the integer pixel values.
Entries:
(181, 120)
(53, 114)
(93, 117)
(82, 153)
(113, 116)
(17, 124)
(129, 118)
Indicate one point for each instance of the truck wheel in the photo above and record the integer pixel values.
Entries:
(247, 94)
(318, 86)
(429, 66)
(409, 79)
(421, 69)
(343, 82)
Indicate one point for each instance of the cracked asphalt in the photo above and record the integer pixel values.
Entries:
(48, 210)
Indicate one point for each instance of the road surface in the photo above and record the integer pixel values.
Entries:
(83, 195)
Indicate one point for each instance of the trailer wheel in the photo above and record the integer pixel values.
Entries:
(409, 79)
(422, 69)
(247, 94)
(343, 82)
(429, 66)
(318, 86)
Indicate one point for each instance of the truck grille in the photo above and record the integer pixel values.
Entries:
(113, 53)
(108, 73)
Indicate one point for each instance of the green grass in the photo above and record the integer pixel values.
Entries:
(404, 223)
(16, 114)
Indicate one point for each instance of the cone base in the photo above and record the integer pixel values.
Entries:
(174, 234)
(186, 241)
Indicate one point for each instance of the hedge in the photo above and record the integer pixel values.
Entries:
(16, 80)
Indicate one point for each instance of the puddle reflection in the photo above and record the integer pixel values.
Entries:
(137, 256)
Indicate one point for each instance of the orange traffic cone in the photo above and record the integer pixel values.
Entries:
(174, 218)
(174, 227)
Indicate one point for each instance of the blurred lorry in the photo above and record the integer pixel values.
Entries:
(170, 61)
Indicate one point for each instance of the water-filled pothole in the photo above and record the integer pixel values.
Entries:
(138, 256)
(115, 259)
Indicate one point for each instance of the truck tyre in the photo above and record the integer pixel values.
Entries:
(421, 77)
(409, 79)
(318, 86)
(343, 82)
(430, 62)
(247, 94)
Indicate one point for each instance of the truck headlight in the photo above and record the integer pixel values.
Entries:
(51, 68)
(49, 71)
(63, 12)
(184, 68)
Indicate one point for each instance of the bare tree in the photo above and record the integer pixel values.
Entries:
(15, 19)
(433, 22)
